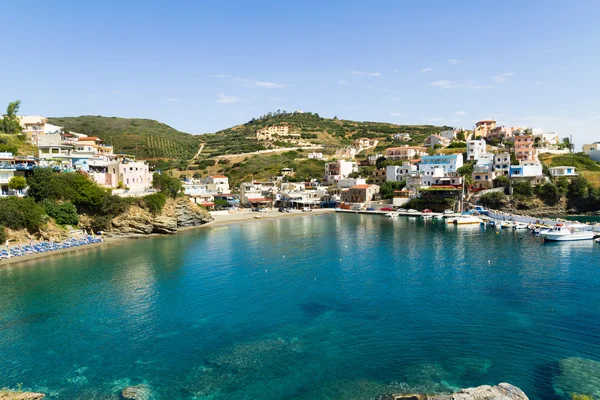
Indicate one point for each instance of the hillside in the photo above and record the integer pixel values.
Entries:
(313, 130)
(583, 164)
(144, 138)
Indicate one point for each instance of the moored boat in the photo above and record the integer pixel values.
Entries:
(465, 220)
(392, 214)
(563, 233)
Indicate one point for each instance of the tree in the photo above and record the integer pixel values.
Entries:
(513, 159)
(41, 185)
(563, 185)
(501, 181)
(380, 162)
(461, 136)
(578, 188)
(17, 183)
(354, 175)
(167, 184)
(221, 204)
(10, 123)
(388, 188)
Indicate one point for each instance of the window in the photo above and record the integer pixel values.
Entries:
(128, 181)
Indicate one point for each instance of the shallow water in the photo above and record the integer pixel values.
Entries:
(315, 307)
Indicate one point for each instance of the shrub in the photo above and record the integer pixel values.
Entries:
(100, 223)
(62, 213)
(155, 202)
(41, 185)
(113, 205)
(3, 234)
(387, 189)
(457, 145)
(493, 199)
(21, 213)
(224, 161)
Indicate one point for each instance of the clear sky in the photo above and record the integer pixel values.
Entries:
(201, 66)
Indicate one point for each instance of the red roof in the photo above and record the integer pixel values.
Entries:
(361, 186)
(257, 199)
(84, 139)
(218, 176)
(207, 203)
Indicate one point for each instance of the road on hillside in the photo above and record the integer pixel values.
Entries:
(268, 151)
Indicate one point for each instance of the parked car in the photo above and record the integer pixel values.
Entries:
(386, 209)
(427, 211)
(412, 211)
(370, 209)
(401, 210)
(263, 210)
(447, 212)
(306, 209)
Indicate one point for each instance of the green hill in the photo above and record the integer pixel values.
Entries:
(329, 132)
(144, 138)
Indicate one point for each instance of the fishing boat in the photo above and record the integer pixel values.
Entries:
(519, 226)
(505, 224)
(392, 214)
(563, 233)
(465, 220)
(427, 214)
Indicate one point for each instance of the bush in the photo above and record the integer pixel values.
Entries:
(41, 185)
(62, 213)
(387, 189)
(21, 213)
(224, 161)
(113, 205)
(493, 199)
(457, 145)
(3, 234)
(155, 202)
(100, 223)
(438, 205)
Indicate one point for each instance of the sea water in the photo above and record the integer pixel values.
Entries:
(313, 307)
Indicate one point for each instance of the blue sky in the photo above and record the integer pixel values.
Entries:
(201, 66)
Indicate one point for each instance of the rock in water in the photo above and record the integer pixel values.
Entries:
(578, 376)
(504, 391)
(10, 395)
(138, 392)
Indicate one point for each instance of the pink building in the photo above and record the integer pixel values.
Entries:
(134, 175)
(524, 150)
(404, 152)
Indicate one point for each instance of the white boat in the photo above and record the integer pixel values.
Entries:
(464, 220)
(562, 233)
(520, 225)
(506, 224)
(392, 214)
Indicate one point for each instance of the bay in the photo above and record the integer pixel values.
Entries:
(314, 307)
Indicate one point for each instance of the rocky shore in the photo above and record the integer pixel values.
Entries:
(177, 213)
(503, 391)
(11, 395)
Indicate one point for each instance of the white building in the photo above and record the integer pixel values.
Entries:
(257, 193)
(502, 164)
(217, 184)
(397, 173)
(345, 183)
(336, 170)
(448, 163)
(437, 140)
(134, 175)
(526, 169)
(562, 171)
(475, 148)
(545, 139)
(7, 171)
(315, 155)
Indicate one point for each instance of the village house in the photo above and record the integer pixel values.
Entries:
(483, 177)
(449, 134)
(502, 164)
(437, 140)
(360, 193)
(524, 150)
(402, 137)
(545, 139)
(568, 172)
(404, 152)
(33, 126)
(448, 163)
(315, 155)
(268, 132)
(397, 173)
(475, 149)
(336, 170)
(217, 183)
(379, 176)
(346, 183)
(482, 128)
(526, 169)
(7, 171)
(257, 194)
(134, 175)
(365, 143)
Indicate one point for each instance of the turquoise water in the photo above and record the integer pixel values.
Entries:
(317, 307)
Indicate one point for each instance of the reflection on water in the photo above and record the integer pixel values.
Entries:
(327, 307)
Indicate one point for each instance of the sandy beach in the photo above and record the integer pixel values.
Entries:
(243, 216)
